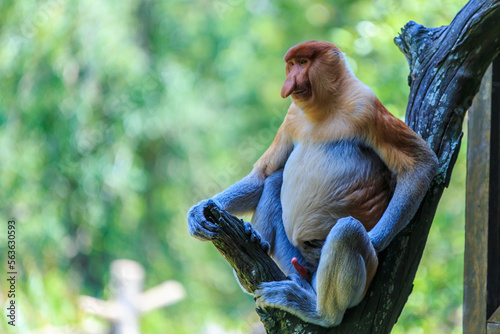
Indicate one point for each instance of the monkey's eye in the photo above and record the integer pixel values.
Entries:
(303, 61)
(291, 63)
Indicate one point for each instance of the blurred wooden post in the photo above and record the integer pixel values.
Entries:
(127, 278)
(129, 302)
(482, 225)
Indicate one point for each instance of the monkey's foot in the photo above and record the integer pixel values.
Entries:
(291, 297)
(255, 237)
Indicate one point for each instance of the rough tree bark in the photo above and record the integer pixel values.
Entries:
(446, 68)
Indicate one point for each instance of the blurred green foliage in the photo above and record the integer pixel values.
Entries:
(117, 116)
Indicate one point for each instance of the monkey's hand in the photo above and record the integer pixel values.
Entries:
(199, 226)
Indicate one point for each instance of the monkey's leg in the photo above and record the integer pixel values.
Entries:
(347, 265)
(268, 221)
(267, 226)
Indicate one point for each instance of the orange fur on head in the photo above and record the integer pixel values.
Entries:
(316, 73)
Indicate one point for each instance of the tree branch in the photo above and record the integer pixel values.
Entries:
(251, 263)
(446, 68)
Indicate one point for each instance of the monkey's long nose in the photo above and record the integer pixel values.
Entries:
(288, 86)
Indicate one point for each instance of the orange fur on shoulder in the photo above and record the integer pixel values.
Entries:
(276, 155)
(398, 145)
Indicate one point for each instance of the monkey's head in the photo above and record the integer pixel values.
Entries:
(313, 69)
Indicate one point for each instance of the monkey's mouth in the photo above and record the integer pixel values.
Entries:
(298, 92)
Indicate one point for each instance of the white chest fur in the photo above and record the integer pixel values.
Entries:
(321, 182)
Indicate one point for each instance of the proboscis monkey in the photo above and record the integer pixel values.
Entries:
(342, 177)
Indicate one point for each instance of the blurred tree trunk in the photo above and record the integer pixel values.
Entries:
(446, 68)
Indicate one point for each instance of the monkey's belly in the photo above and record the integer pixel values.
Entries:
(325, 182)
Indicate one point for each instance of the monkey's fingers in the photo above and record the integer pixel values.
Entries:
(209, 226)
(255, 237)
(204, 230)
(248, 228)
(265, 246)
